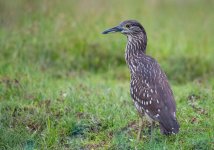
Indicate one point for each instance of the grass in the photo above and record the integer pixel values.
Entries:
(63, 85)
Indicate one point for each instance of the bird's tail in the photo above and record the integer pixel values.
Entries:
(169, 126)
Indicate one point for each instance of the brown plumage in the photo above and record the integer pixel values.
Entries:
(149, 87)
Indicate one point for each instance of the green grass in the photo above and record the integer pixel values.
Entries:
(64, 85)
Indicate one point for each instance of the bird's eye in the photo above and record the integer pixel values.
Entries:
(127, 26)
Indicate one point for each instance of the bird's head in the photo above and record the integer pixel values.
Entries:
(128, 27)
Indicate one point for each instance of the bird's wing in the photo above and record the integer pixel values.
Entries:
(153, 91)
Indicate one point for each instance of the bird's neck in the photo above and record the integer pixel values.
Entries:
(136, 47)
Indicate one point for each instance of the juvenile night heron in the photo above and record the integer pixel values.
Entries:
(150, 89)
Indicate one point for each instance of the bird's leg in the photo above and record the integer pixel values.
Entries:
(151, 130)
(140, 128)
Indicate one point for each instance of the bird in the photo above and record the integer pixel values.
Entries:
(149, 86)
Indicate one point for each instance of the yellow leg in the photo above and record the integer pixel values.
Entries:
(140, 129)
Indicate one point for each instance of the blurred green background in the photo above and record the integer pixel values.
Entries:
(64, 36)
(60, 78)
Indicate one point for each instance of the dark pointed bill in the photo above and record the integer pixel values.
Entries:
(112, 30)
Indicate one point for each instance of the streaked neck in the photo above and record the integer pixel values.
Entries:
(136, 46)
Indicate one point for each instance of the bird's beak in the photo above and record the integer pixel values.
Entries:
(112, 30)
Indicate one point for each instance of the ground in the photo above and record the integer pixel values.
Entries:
(64, 85)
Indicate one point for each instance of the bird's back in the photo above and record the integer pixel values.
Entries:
(151, 92)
